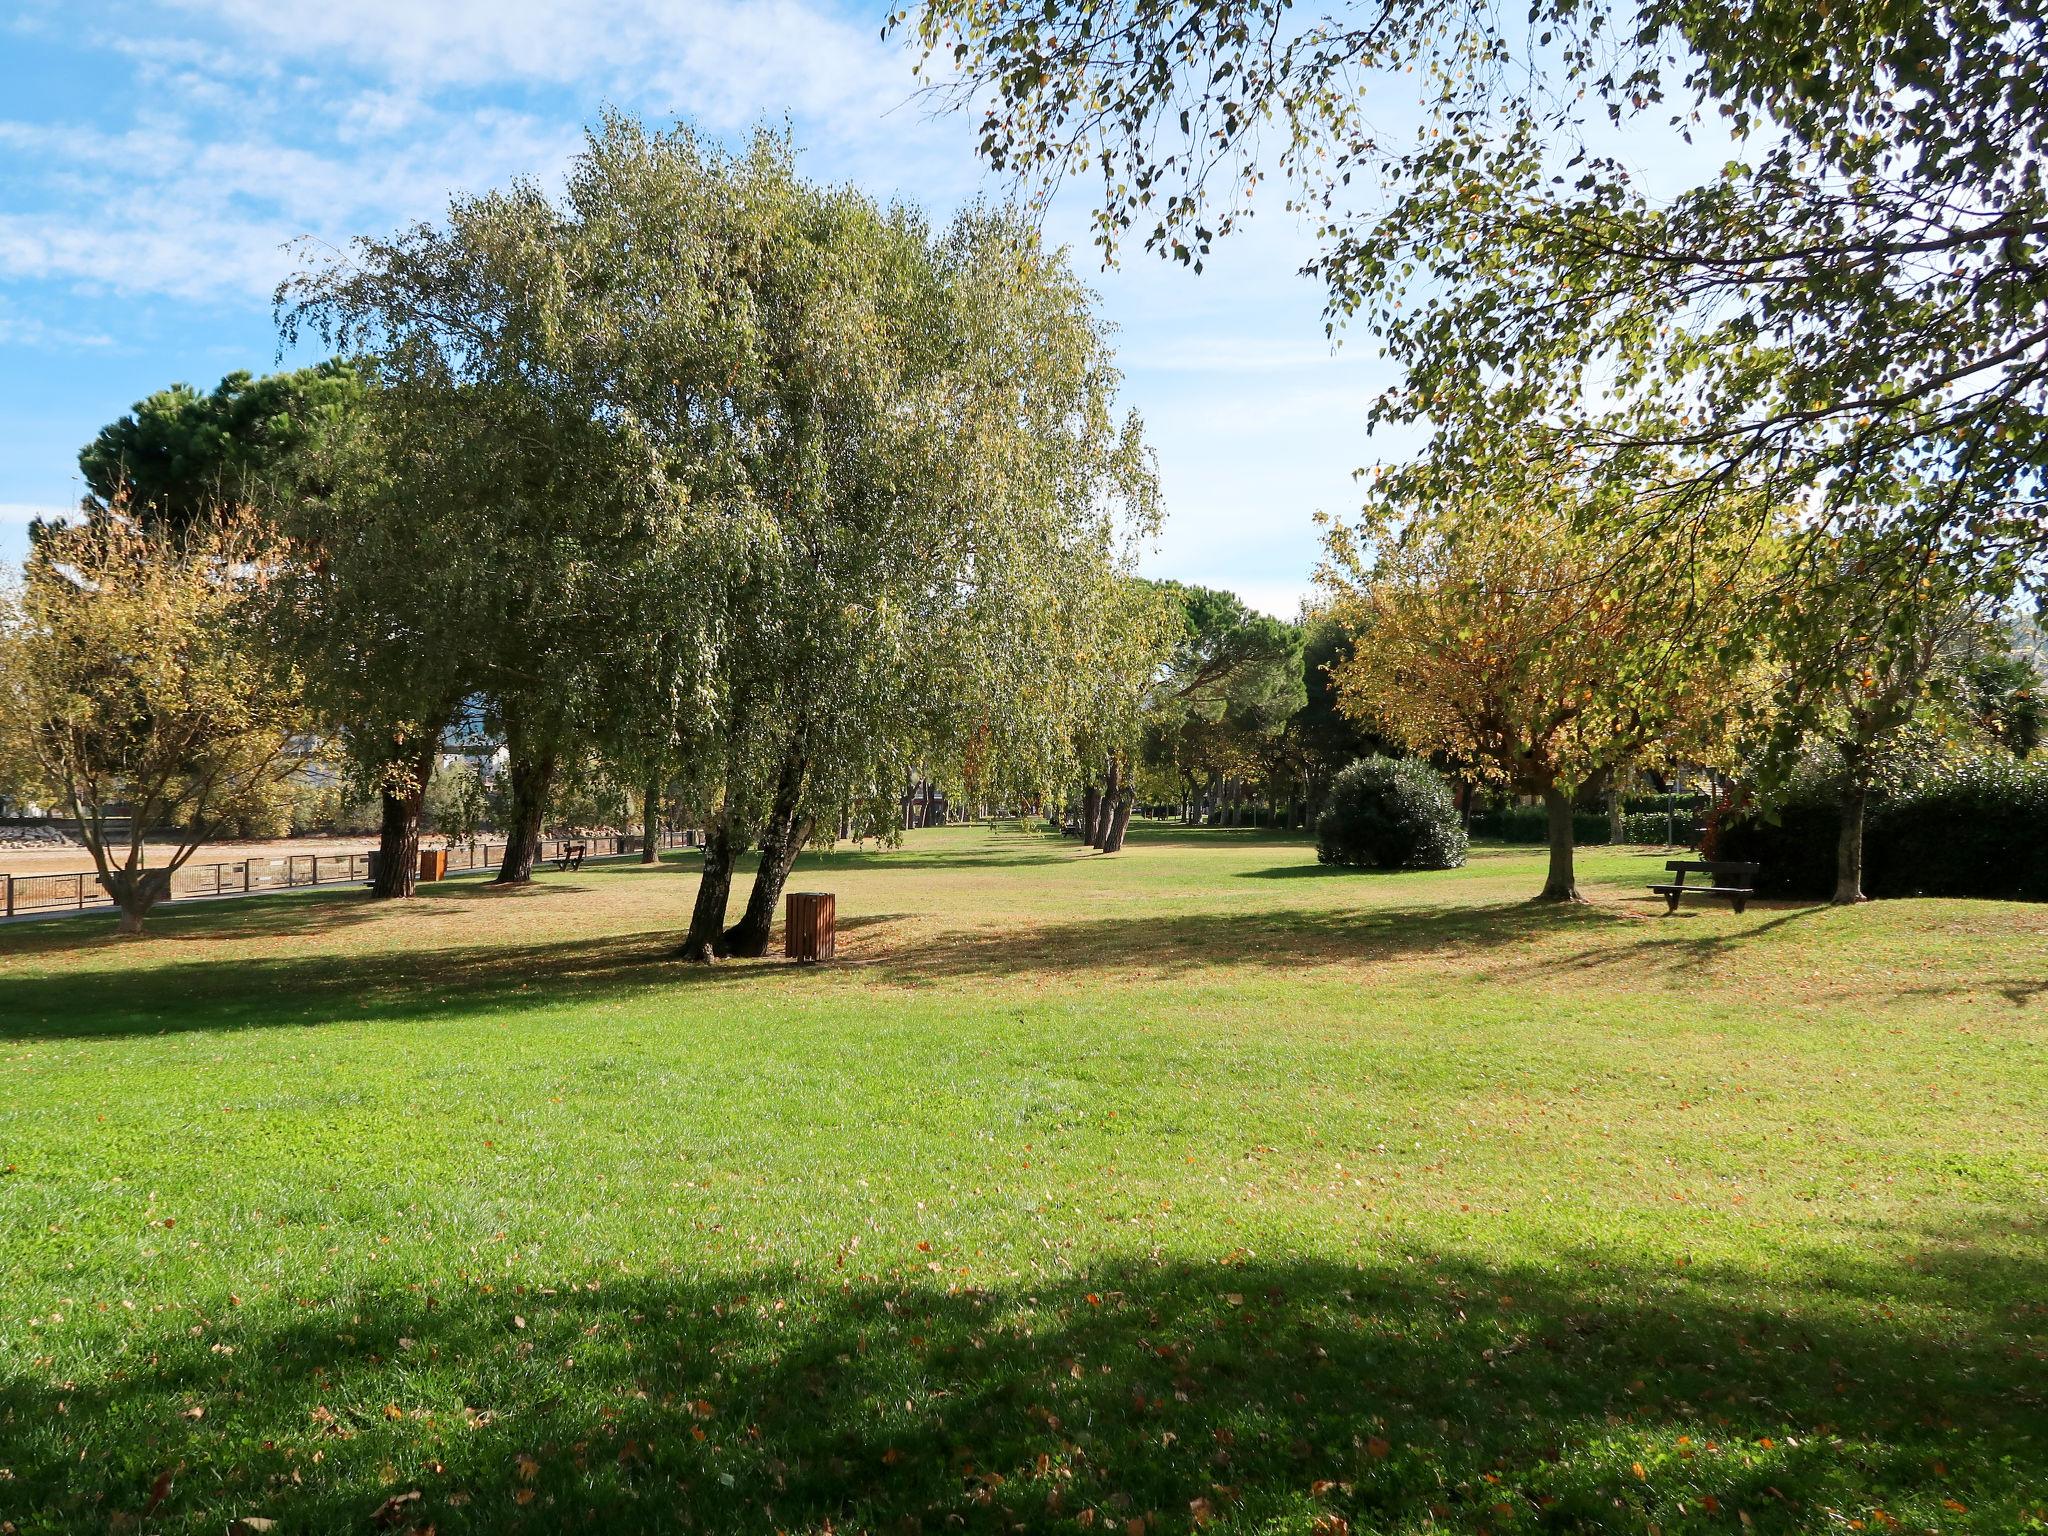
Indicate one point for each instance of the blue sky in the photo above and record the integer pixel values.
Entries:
(157, 159)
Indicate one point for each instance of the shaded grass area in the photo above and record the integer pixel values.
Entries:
(1084, 1192)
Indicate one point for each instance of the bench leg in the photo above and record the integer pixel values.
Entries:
(1670, 902)
(1740, 903)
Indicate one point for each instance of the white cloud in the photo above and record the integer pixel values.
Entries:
(246, 124)
(346, 119)
(20, 329)
(728, 60)
(171, 210)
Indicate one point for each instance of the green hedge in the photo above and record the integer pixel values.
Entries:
(1977, 829)
(1692, 803)
(1531, 824)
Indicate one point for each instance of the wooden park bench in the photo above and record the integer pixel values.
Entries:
(1737, 882)
(570, 856)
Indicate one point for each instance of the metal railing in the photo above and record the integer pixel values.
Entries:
(80, 889)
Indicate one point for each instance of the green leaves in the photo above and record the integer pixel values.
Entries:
(1847, 314)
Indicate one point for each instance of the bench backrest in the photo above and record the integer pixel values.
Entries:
(1715, 867)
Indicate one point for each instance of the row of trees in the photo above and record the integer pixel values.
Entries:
(1238, 718)
(747, 488)
(1512, 619)
(1748, 463)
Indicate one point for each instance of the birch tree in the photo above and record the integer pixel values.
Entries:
(919, 489)
(561, 531)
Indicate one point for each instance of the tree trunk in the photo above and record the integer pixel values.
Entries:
(533, 775)
(135, 891)
(1105, 808)
(706, 939)
(398, 846)
(1091, 808)
(398, 834)
(782, 839)
(1119, 822)
(1616, 829)
(1849, 848)
(1560, 885)
(650, 823)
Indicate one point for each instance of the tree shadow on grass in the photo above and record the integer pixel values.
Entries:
(445, 981)
(455, 981)
(1024, 855)
(308, 910)
(311, 911)
(1401, 1393)
(1317, 871)
(1686, 943)
(1286, 939)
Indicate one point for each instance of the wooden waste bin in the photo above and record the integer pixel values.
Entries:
(433, 863)
(810, 928)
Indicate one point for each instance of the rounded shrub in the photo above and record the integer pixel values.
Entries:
(1390, 813)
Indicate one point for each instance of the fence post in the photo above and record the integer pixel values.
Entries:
(10, 895)
(81, 891)
(245, 877)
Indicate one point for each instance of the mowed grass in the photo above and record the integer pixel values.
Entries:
(1193, 1187)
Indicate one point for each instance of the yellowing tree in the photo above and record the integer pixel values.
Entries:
(1517, 623)
(134, 672)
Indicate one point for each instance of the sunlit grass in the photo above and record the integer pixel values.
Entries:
(1195, 1185)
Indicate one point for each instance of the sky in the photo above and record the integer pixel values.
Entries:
(159, 160)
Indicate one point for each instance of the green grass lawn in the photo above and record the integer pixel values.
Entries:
(1194, 1186)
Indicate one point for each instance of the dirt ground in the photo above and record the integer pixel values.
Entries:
(72, 860)
(65, 861)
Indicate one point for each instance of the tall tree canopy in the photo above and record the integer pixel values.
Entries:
(1851, 309)
(942, 494)
(136, 671)
(1494, 626)
(180, 456)
(515, 529)
(1882, 630)
(1230, 685)
(764, 483)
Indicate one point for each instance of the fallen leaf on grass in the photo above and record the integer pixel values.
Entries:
(161, 1489)
(395, 1509)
